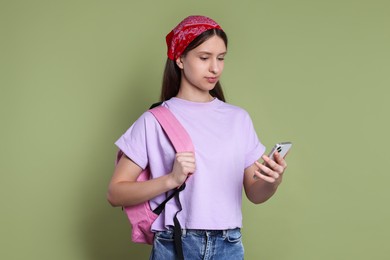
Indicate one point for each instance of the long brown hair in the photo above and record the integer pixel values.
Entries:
(172, 73)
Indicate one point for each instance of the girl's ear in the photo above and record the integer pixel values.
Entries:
(179, 63)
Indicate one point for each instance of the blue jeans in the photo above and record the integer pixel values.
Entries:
(200, 244)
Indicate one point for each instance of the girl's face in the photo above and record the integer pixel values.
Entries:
(202, 66)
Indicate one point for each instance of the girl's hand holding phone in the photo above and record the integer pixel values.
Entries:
(274, 164)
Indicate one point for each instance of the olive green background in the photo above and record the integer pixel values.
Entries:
(76, 74)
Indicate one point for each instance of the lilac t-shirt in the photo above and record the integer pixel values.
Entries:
(225, 144)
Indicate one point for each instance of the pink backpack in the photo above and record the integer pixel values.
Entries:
(141, 216)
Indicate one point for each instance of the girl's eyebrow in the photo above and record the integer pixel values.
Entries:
(209, 53)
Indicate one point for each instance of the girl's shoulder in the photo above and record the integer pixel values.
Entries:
(143, 123)
(234, 109)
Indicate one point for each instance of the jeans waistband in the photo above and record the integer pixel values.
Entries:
(222, 233)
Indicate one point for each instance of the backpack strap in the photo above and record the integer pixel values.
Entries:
(179, 138)
(181, 141)
(176, 133)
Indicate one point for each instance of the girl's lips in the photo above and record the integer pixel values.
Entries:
(212, 79)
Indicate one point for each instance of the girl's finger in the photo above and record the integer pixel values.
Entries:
(276, 166)
(280, 160)
(267, 171)
(264, 177)
(185, 157)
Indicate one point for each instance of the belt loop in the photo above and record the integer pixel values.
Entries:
(224, 233)
(184, 232)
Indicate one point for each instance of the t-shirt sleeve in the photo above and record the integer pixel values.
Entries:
(133, 142)
(254, 149)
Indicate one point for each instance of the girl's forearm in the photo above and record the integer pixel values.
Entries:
(260, 191)
(128, 193)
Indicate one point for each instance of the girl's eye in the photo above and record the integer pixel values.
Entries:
(203, 58)
(221, 58)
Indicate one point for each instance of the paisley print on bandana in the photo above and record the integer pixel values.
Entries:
(185, 32)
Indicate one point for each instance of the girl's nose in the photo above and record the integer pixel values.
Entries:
(214, 66)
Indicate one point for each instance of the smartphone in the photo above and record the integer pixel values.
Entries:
(282, 149)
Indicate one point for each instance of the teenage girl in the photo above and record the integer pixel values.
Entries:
(226, 156)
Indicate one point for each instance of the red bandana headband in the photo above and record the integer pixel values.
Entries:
(185, 32)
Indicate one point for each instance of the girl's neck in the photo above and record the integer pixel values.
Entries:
(195, 96)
